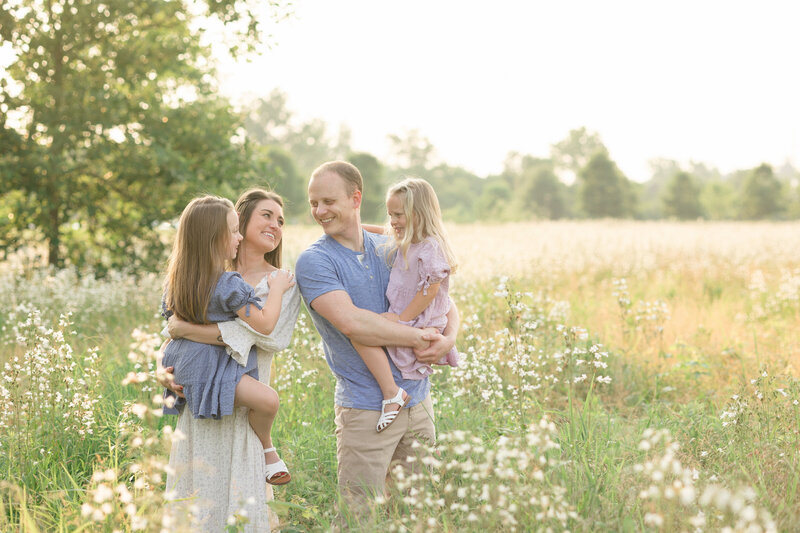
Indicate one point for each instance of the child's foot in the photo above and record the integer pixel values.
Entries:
(390, 408)
(277, 472)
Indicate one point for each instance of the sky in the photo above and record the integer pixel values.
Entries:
(709, 81)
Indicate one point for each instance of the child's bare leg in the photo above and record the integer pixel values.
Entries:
(262, 402)
(377, 363)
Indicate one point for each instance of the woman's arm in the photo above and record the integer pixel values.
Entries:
(203, 333)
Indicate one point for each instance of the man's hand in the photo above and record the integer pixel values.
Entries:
(438, 347)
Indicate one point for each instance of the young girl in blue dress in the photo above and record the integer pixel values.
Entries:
(198, 288)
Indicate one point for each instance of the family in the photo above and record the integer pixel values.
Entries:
(378, 298)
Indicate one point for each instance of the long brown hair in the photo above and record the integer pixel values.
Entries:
(245, 206)
(198, 257)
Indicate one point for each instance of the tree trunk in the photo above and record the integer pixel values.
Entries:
(54, 238)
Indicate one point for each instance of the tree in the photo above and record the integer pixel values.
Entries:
(761, 194)
(545, 195)
(718, 200)
(682, 197)
(110, 121)
(605, 191)
(276, 171)
(575, 151)
(412, 151)
(269, 122)
(494, 200)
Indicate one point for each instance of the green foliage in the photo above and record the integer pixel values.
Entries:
(412, 151)
(112, 103)
(605, 191)
(276, 170)
(575, 151)
(545, 197)
(458, 191)
(761, 195)
(719, 200)
(682, 197)
(269, 122)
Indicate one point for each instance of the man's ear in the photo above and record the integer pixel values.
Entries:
(357, 199)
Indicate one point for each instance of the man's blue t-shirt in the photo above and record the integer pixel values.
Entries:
(328, 266)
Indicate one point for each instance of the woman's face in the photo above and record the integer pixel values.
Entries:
(397, 214)
(265, 228)
(234, 237)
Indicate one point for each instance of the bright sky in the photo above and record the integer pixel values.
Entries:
(710, 81)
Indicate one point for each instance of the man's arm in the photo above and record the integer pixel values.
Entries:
(364, 326)
(441, 344)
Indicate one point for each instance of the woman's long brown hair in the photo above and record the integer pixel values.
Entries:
(198, 257)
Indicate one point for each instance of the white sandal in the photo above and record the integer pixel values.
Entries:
(387, 417)
(274, 471)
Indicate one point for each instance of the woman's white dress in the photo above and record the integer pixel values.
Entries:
(217, 469)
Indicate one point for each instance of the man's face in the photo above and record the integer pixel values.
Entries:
(331, 206)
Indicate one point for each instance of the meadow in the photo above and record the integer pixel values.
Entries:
(616, 376)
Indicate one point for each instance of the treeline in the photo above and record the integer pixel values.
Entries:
(111, 120)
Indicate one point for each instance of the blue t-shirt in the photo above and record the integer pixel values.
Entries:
(328, 266)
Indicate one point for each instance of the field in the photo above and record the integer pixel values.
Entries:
(616, 376)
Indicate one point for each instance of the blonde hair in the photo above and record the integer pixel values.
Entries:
(347, 171)
(198, 257)
(423, 219)
(244, 208)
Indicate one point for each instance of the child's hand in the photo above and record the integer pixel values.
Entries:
(394, 317)
(280, 280)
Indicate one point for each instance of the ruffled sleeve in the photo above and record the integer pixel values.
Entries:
(240, 337)
(432, 265)
(234, 293)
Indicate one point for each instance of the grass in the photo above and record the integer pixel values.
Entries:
(696, 325)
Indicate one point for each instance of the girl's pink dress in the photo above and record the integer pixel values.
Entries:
(426, 264)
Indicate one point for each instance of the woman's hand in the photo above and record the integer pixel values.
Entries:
(176, 327)
(164, 374)
(280, 280)
(167, 380)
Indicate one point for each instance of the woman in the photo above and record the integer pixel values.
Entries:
(218, 468)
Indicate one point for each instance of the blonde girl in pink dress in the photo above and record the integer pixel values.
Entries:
(417, 290)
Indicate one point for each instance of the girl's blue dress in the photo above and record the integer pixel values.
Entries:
(208, 374)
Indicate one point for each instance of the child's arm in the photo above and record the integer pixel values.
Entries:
(263, 320)
(417, 305)
(372, 228)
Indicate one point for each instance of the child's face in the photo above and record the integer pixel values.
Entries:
(397, 215)
(234, 237)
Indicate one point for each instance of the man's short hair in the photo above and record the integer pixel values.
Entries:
(347, 171)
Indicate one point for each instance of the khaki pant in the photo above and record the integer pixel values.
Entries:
(366, 456)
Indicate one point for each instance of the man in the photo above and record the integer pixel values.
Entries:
(343, 279)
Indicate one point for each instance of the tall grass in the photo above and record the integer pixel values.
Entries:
(615, 377)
